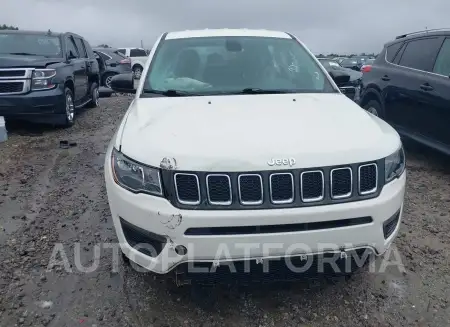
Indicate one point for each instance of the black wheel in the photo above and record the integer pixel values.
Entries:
(95, 96)
(107, 80)
(69, 118)
(137, 71)
(374, 107)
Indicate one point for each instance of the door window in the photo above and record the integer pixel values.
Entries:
(122, 51)
(138, 53)
(80, 47)
(72, 48)
(392, 50)
(88, 49)
(442, 65)
(421, 54)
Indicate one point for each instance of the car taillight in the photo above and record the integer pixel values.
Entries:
(125, 61)
(366, 68)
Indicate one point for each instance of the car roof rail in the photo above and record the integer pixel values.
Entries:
(421, 32)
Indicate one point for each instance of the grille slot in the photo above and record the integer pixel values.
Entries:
(219, 189)
(13, 73)
(187, 188)
(341, 183)
(11, 87)
(281, 188)
(367, 179)
(250, 188)
(312, 186)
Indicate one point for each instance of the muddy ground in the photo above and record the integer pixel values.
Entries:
(50, 195)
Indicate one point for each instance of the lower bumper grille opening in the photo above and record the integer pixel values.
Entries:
(144, 241)
(390, 225)
(11, 87)
(273, 270)
(270, 229)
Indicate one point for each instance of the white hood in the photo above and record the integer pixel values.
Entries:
(244, 132)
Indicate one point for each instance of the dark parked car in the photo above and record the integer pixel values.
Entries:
(408, 86)
(352, 63)
(45, 77)
(112, 62)
(352, 87)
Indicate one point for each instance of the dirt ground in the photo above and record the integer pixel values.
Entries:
(51, 195)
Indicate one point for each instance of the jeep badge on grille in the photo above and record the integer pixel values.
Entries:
(281, 162)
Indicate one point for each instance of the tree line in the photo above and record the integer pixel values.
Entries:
(6, 27)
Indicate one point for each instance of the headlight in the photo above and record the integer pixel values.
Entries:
(394, 165)
(42, 79)
(135, 176)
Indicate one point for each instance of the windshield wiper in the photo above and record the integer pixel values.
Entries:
(255, 90)
(170, 93)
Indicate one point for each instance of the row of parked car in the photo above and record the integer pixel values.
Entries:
(46, 76)
(407, 85)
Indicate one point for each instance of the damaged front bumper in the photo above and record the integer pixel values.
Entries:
(159, 237)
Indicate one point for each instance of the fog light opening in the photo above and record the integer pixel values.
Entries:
(180, 250)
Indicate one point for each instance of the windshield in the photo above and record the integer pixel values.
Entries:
(227, 65)
(30, 44)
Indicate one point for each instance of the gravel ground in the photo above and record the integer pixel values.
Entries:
(50, 195)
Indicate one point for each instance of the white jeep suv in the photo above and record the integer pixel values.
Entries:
(239, 147)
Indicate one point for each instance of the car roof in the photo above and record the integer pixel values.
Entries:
(126, 48)
(29, 32)
(415, 35)
(100, 49)
(226, 32)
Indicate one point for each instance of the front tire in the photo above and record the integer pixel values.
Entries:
(95, 96)
(69, 118)
(374, 107)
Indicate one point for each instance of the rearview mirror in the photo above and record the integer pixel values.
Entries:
(123, 83)
(339, 78)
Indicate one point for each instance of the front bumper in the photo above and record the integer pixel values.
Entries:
(33, 103)
(168, 227)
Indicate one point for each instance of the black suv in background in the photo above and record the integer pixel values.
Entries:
(45, 77)
(408, 85)
(112, 62)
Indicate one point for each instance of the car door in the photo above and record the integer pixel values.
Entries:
(404, 99)
(87, 64)
(79, 70)
(436, 98)
(93, 66)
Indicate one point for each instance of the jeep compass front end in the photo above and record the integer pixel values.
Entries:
(238, 146)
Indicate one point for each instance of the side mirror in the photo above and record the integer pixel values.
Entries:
(123, 83)
(340, 78)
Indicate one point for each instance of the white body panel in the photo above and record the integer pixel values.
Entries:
(243, 132)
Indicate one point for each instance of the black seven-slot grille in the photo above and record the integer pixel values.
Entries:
(274, 189)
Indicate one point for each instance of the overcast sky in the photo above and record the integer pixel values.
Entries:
(324, 25)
